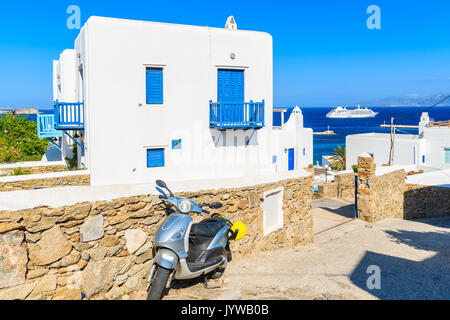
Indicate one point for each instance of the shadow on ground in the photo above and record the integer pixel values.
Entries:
(408, 279)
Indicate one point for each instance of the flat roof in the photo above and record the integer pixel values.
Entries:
(377, 135)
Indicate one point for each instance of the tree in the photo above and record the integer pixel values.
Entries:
(338, 159)
(20, 134)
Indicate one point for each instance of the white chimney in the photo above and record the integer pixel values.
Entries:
(231, 23)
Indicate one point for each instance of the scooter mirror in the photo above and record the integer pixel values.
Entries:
(162, 192)
(161, 184)
(216, 205)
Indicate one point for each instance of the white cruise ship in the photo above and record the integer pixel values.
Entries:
(342, 112)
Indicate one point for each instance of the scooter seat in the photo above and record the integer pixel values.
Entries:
(208, 227)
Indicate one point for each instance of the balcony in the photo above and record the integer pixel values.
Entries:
(241, 115)
(69, 115)
(46, 126)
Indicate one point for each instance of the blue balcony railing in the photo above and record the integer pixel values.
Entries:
(242, 115)
(69, 115)
(46, 126)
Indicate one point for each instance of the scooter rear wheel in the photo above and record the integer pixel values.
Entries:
(158, 286)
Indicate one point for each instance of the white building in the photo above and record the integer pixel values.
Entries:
(155, 100)
(429, 149)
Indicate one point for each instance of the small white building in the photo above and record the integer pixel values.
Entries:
(164, 101)
(429, 149)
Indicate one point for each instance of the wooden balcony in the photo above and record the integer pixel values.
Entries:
(240, 115)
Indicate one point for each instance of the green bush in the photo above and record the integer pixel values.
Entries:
(21, 172)
(19, 134)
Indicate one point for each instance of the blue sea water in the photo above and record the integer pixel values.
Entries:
(316, 119)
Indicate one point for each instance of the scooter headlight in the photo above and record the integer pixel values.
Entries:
(185, 206)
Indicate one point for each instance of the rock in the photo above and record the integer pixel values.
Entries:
(36, 273)
(242, 204)
(85, 256)
(118, 219)
(151, 220)
(92, 229)
(98, 276)
(67, 294)
(47, 283)
(76, 212)
(18, 293)
(135, 269)
(232, 209)
(52, 247)
(138, 295)
(114, 293)
(135, 239)
(13, 260)
(146, 247)
(43, 224)
(109, 241)
(33, 237)
(98, 254)
(120, 280)
(71, 259)
(137, 206)
(6, 227)
(144, 257)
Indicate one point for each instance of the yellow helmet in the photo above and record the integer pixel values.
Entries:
(241, 230)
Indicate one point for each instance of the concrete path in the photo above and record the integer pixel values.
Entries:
(413, 257)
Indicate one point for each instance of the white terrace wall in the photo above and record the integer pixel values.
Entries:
(103, 248)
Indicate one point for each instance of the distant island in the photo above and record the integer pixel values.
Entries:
(19, 111)
(408, 102)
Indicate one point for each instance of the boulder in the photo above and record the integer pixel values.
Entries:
(17, 293)
(98, 276)
(135, 239)
(13, 260)
(92, 229)
(52, 247)
(47, 283)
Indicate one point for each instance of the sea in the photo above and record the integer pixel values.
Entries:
(315, 118)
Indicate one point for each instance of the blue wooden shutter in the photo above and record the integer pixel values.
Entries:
(154, 86)
(230, 86)
(155, 158)
(291, 159)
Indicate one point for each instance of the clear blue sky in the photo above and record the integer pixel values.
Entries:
(323, 52)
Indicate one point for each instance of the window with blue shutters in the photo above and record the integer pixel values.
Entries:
(230, 85)
(155, 158)
(154, 85)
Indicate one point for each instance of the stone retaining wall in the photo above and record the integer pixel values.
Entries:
(34, 169)
(41, 183)
(426, 201)
(104, 249)
(388, 196)
(342, 187)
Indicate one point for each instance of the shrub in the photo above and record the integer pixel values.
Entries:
(19, 134)
(21, 172)
(8, 153)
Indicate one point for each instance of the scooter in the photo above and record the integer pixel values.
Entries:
(183, 250)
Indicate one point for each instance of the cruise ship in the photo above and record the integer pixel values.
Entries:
(342, 112)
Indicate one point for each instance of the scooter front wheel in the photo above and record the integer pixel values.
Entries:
(158, 285)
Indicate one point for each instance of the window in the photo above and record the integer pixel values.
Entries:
(447, 155)
(155, 158)
(423, 159)
(154, 85)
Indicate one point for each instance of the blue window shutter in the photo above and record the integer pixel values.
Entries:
(155, 158)
(230, 85)
(154, 86)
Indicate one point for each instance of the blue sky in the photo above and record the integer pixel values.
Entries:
(324, 54)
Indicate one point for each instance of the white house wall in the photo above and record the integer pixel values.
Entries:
(119, 124)
(436, 139)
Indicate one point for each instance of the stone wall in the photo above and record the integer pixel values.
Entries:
(388, 196)
(426, 201)
(379, 197)
(104, 249)
(34, 169)
(41, 183)
(342, 187)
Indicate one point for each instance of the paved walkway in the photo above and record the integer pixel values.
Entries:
(413, 257)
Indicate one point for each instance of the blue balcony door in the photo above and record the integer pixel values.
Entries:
(230, 93)
(230, 86)
(291, 159)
